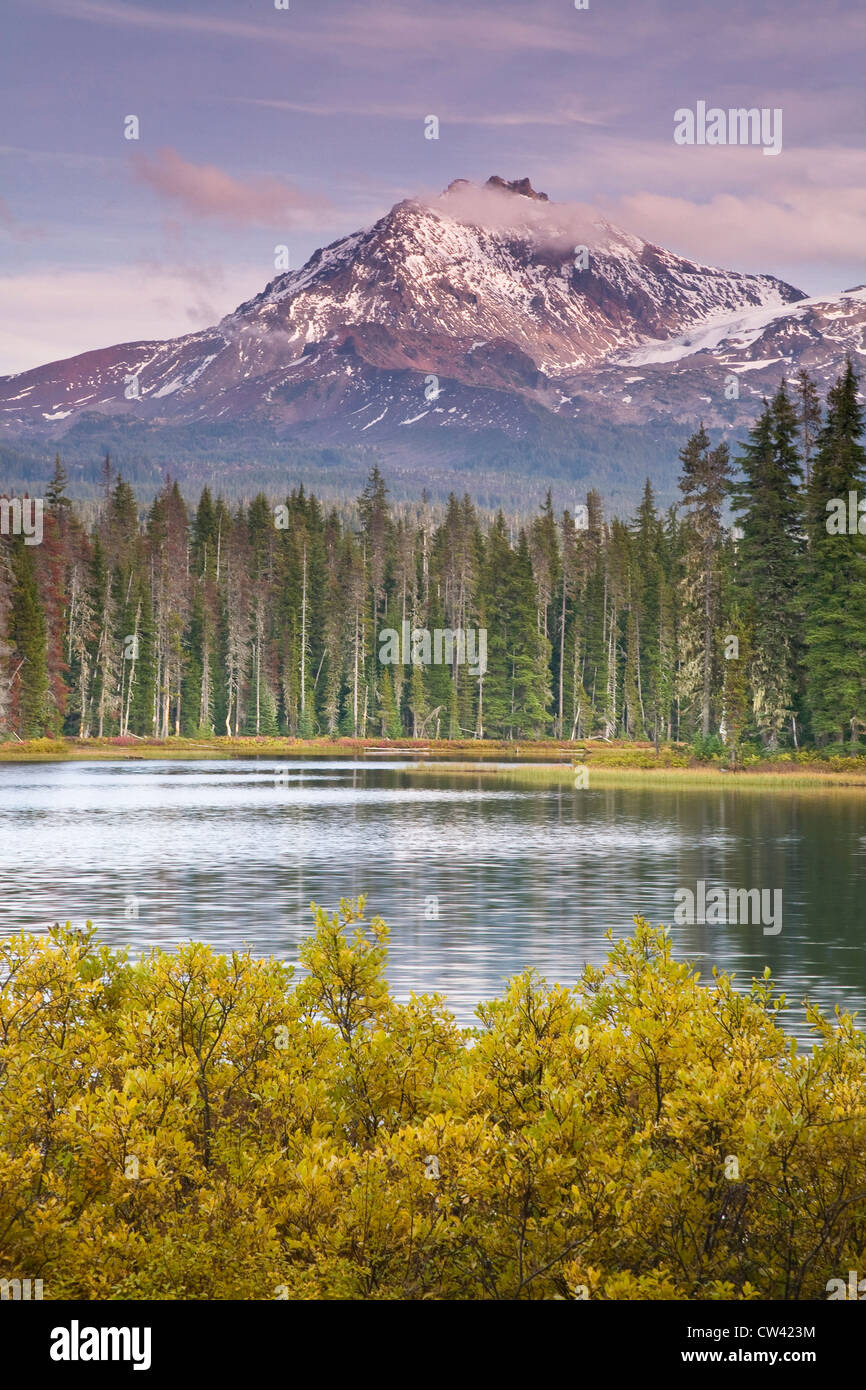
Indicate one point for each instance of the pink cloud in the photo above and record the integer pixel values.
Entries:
(752, 229)
(207, 191)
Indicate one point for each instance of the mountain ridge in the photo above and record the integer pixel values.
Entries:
(486, 311)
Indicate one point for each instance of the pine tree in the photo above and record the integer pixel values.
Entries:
(567, 586)
(633, 719)
(527, 651)
(204, 535)
(836, 572)
(334, 625)
(808, 417)
(769, 562)
(55, 493)
(735, 690)
(544, 552)
(142, 677)
(389, 719)
(8, 665)
(596, 592)
(454, 729)
(378, 532)
(261, 539)
(704, 484)
(647, 593)
(418, 703)
(235, 622)
(29, 685)
(103, 656)
(268, 724)
(192, 725)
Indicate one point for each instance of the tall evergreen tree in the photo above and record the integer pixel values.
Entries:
(704, 485)
(808, 417)
(55, 493)
(769, 563)
(836, 572)
(29, 684)
(735, 689)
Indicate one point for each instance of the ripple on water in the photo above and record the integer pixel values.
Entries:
(519, 876)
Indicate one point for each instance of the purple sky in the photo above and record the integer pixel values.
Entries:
(262, 126)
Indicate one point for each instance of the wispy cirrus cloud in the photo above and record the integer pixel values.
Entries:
(402, 110)
(679, 33)
(204, 190)
(373, 26)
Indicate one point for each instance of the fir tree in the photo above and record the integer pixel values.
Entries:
(389, 719)
(704, 484)
(769, 562)
(736, 657)
(808, 418)
(30, 684)
(55, 492)
(836, 573)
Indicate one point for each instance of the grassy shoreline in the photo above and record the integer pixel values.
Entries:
(609, 764)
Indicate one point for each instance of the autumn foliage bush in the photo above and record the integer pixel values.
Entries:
(37, 745)
(202, 1126)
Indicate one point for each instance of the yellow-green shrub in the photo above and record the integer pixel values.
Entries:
(203, 1126)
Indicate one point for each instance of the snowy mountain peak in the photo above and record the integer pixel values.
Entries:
(491, 287)
(518, 186)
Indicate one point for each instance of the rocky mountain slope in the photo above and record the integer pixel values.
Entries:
(488, 311)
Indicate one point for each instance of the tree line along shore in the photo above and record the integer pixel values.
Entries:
(733, 622)
(563, 764)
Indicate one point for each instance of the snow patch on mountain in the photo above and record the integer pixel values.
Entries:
(741, 330)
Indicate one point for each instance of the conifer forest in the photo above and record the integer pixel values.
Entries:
(736, 616)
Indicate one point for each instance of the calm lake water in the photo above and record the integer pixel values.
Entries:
(234, 852)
